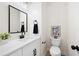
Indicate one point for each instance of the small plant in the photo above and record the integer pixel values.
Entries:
(4, 36)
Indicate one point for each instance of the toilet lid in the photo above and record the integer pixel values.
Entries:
(55, 50)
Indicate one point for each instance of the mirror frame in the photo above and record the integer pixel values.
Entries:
(9, 19)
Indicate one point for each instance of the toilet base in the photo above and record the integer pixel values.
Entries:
(55, 51)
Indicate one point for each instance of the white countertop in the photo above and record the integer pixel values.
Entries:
(15, 44)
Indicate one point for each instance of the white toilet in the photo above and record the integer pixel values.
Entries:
(55, 50)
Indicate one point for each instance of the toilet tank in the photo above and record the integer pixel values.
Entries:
(55, 42)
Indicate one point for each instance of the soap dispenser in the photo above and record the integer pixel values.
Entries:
(35, 29)
(22, 30)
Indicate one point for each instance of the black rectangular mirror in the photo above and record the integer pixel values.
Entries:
(16, 18)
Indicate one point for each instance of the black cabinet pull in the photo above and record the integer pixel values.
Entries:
(34, 52)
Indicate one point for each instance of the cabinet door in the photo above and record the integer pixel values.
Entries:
(28, 50)
(32, 48)
(20, 52)
(38, 50)
(16, 53)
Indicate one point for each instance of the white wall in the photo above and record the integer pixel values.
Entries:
(66, 15)
(3, 17)
(44, 29)
(34, 13)
(56, 14)
(73, 26)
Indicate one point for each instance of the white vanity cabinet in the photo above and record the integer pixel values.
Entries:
(16, 53)
(13, 54)
(30, 49)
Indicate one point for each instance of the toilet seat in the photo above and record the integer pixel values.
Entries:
(55, 51)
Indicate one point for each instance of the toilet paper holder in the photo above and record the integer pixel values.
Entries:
(75, 47)
(43, 42)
